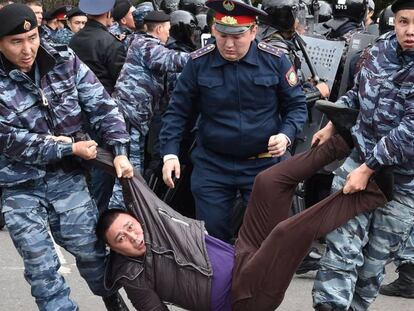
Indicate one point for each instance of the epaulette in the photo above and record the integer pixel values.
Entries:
(203, 51)
(270, 49)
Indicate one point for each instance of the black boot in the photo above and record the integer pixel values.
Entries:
(310, 262)
(324, 307)
(341, 116)
(115, 303)
(404, 285)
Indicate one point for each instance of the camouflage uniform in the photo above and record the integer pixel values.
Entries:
(139, 90)
(119, 31)
(353, 265)
(40, 188)
(62, 36)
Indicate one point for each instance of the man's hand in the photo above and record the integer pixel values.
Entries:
(323, 88)
(277, 145)
(171, 165)
(63, 139)
(357, 180)
(123, 167)
(324, 134)
(85, 149)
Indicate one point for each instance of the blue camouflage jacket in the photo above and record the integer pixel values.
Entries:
(62, 36)
(141, 83)
(66, 94)
(384, 92)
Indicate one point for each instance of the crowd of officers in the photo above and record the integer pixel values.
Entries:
(198, 156)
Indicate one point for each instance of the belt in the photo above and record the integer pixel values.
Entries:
(261, 156)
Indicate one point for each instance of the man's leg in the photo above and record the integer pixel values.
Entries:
(404, 285)
(27, 220)
(390, 228)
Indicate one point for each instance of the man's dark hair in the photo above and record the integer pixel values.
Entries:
(33, 2)
(105, 220)
(151, 25)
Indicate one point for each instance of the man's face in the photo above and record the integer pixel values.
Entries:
(126, 237)
(128, 19)
(38, 10)
(234, 47)
(21, 49)
(164, 32)
(404, 28)
(76, 23)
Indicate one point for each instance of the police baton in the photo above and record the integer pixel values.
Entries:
(301, 44)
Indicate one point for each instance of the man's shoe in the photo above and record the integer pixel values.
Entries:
(324, 307)
(310, 262)
(342, 117)
(403, 286)
(115, 303)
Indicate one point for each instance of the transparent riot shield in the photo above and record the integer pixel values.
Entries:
(359, 42)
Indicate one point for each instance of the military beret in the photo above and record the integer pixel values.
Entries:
(15, 19)
(402, 5)
(156, 17)
(121, 9)
(94, 7)
(75, 12)
(233, 17)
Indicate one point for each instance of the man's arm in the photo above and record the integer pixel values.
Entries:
(165, 60)
(145, 299)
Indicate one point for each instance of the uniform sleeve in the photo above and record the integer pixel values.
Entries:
(18, 144)
(145, 299)
(180, 109)
(398, 146)
(102, 111)
(292, 101)
(162, 59)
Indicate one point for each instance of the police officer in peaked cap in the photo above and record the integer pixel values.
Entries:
(250, 106)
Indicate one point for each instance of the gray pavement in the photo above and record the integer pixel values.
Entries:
(15, 292)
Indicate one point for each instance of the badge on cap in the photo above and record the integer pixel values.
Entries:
(291, 77)
(27, 25)
(229, 20)
(228, 5)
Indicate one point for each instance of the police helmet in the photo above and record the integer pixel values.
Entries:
(325, 11)
(202, 23)
(352, 9)
(281, 13)
(169, 6)
(193, 6)
(184, 27)
(386, 20)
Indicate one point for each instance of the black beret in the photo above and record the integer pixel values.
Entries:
(15, 19)
(75, 12)
(60, 12)
(121, 9)
(156, 17)
(402, 5)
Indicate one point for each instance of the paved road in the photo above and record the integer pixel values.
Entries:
(15, 292)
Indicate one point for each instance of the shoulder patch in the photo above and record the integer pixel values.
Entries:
(203, 51)
(291, 77)
(270, 49)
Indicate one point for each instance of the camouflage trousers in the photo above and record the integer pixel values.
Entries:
(406, 254)
(136, 157)
(352, 267)
(61, 202)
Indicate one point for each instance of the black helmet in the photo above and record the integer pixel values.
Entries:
(353, 9)
(202, 23)
(386, 20)
(325, 11)
(281, 13)
(169, 6)
(184, 27)
(193, 6)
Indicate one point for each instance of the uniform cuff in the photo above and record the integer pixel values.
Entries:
(120, 149)
(64, 149)
(372, 163)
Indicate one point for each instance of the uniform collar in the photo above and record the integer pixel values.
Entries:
(250, 58)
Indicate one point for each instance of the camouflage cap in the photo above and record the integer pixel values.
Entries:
(15, 19)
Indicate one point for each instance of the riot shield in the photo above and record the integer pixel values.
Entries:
(359, 42)
(325, 56)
